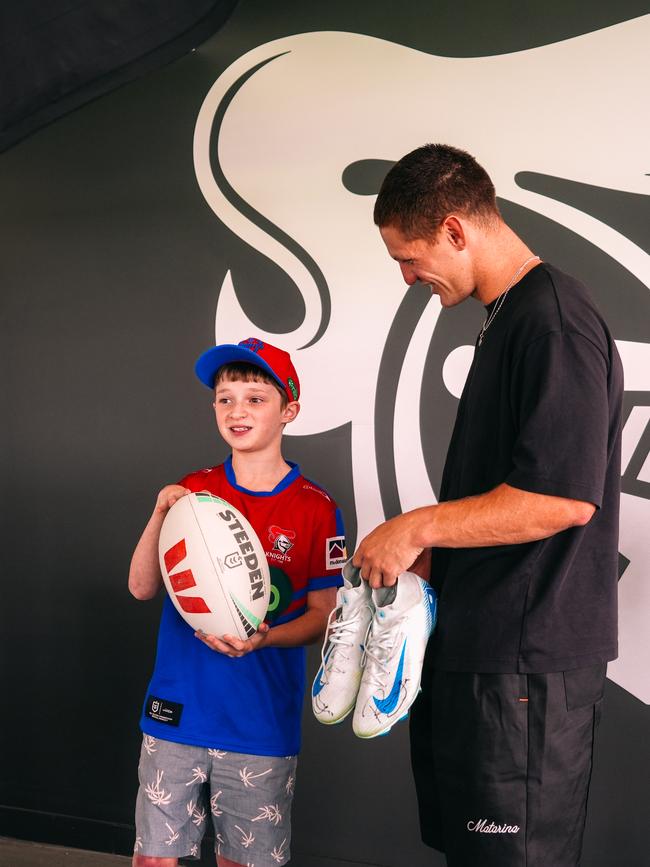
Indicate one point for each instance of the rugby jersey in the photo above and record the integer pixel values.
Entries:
(252, 704)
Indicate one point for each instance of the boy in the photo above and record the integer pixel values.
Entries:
(232, 708)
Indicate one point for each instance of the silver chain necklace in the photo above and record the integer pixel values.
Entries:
(502, 297)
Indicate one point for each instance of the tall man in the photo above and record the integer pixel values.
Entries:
(525, 537)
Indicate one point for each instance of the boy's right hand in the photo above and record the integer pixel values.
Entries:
(168, 496)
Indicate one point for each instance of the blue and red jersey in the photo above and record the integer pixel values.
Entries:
(252, 704)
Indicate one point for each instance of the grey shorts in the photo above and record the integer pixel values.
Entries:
(248, 797)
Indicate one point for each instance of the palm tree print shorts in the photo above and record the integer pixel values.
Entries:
(248, 798)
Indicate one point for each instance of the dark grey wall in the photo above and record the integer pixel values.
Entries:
(110, 266)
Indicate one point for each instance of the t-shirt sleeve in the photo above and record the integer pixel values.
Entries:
(328, 552)
(560, 407)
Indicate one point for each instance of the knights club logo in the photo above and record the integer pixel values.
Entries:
(282, 539)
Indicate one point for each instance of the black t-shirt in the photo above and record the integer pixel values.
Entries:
(540, 411)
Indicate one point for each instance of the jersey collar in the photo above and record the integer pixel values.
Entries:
(282, 485)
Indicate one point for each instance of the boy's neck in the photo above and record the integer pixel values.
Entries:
(259, 472)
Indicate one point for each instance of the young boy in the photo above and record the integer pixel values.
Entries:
(233, 707)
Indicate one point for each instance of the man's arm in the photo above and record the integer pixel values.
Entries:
(503, 516)
(306, 629)
(145, 579)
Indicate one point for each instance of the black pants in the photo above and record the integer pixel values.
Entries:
(502, 765)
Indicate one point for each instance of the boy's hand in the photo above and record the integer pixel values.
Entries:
(235, 647)
(168, 496)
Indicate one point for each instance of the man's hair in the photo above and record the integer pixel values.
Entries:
(242, 371)
(430, 183)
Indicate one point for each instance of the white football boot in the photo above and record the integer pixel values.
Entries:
(405, 615)
(336, 685)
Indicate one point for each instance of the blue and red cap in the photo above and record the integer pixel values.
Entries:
(276, 362)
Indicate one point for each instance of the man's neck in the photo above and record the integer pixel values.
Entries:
(259, 471)
(504, 253)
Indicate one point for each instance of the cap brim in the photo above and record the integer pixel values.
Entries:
(209, 363)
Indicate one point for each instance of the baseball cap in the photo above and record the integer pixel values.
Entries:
(276, 362)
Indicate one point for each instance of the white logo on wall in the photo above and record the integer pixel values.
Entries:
(289, 122)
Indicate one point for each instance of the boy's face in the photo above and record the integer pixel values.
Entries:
(250, 416)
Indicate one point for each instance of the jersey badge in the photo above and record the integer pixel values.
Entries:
(282, 539)
(335, 553)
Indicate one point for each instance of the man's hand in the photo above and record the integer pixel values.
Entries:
(168, 496)
(235, 647)
(388, 551)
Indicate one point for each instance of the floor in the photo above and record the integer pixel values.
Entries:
(18, 853)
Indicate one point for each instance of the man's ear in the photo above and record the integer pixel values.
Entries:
(454, 232)
(290, 411)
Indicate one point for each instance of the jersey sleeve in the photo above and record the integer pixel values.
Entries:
(560, 407)
(328, 552)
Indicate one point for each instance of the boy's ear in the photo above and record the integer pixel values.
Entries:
(290, 411)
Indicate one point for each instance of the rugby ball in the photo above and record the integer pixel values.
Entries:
(214, 566)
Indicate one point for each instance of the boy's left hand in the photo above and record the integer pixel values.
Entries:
(234, 647)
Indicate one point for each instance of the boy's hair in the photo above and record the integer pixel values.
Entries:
(430, 183)
(242, 371)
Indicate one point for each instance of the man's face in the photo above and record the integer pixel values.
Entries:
(438, 261)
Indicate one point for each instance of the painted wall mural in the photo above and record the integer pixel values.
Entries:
(290, 147)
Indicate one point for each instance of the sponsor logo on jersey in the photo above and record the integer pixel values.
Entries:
(335, 553)
(282, 539)
(317, 491)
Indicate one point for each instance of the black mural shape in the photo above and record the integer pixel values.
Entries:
(365, 177)
(630, 481)
(397, 342)
(249, 294)
(464, 28)
(623, 563)
(628, 213)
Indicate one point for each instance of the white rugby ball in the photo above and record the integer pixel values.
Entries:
(214, 566)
